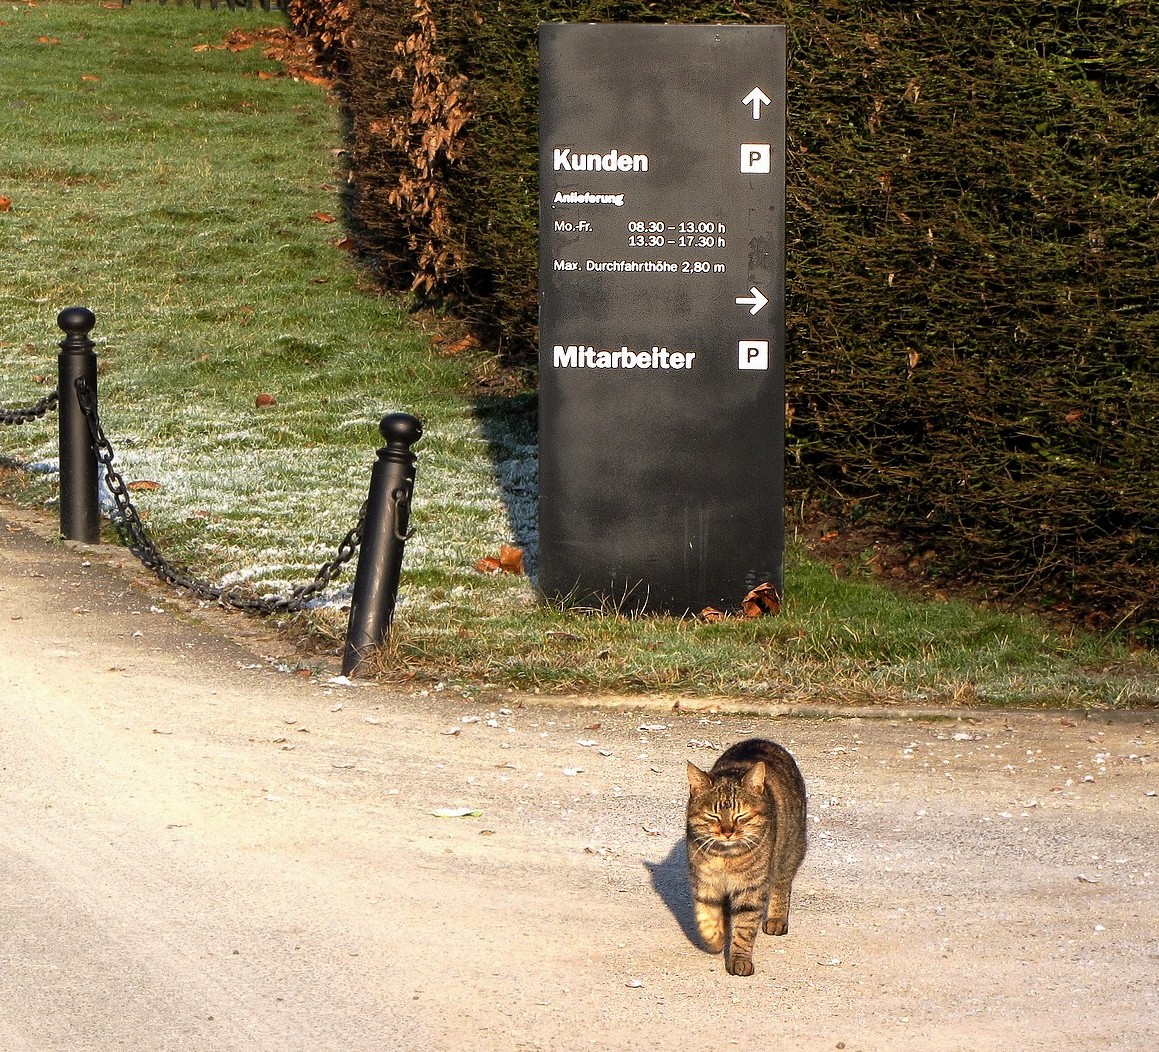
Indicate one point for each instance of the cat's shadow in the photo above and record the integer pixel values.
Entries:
(670, 881)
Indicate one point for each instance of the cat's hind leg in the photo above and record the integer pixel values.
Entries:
(777, 918)
(787, 859)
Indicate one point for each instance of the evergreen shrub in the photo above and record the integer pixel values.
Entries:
(973, 260)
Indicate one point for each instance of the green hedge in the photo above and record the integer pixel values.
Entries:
(973, 261)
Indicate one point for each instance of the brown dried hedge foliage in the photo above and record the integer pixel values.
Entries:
(409, 109)
(326, 25)
(973, 264)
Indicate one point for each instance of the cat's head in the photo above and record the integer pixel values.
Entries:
(727, 815)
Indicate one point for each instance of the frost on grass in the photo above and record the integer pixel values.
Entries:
(237, 508)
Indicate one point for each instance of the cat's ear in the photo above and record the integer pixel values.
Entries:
(754, 779)
(698, 781)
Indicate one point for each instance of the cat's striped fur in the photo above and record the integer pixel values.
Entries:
(746, 841)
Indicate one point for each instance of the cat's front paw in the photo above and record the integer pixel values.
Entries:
(710, 925)
(777, 926)
(740, 966)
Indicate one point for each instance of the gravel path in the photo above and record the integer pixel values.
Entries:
(201, 852)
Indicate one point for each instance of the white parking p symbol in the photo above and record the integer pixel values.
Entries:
(756, 158)
(754, 354)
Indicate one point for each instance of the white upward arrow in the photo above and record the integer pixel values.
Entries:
(756, 98)
(754, 302)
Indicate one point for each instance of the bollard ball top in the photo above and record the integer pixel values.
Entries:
(76, 320)
(401, 429)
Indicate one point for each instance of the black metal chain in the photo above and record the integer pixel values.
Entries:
(32, 412)
(137, 539)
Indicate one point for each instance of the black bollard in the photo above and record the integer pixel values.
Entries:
(80, 513)
(383, 540)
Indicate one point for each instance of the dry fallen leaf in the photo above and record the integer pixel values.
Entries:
(325, 217)
(762, 600)
(511, 559)
(264, 401)
(467, 343)
(142, 486)
(712, 615)
(5, 204)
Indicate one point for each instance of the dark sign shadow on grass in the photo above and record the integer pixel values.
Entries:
(671, 882)
(510, 427)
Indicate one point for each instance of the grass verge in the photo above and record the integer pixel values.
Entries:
(184, 191)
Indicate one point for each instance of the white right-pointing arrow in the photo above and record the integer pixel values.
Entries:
(754, 302)
(756, 98)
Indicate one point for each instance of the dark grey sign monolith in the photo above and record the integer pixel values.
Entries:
(662, 188)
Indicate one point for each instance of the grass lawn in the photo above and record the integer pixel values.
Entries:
(184, 190)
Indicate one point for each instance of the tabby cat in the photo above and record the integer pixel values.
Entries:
(746, 840)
